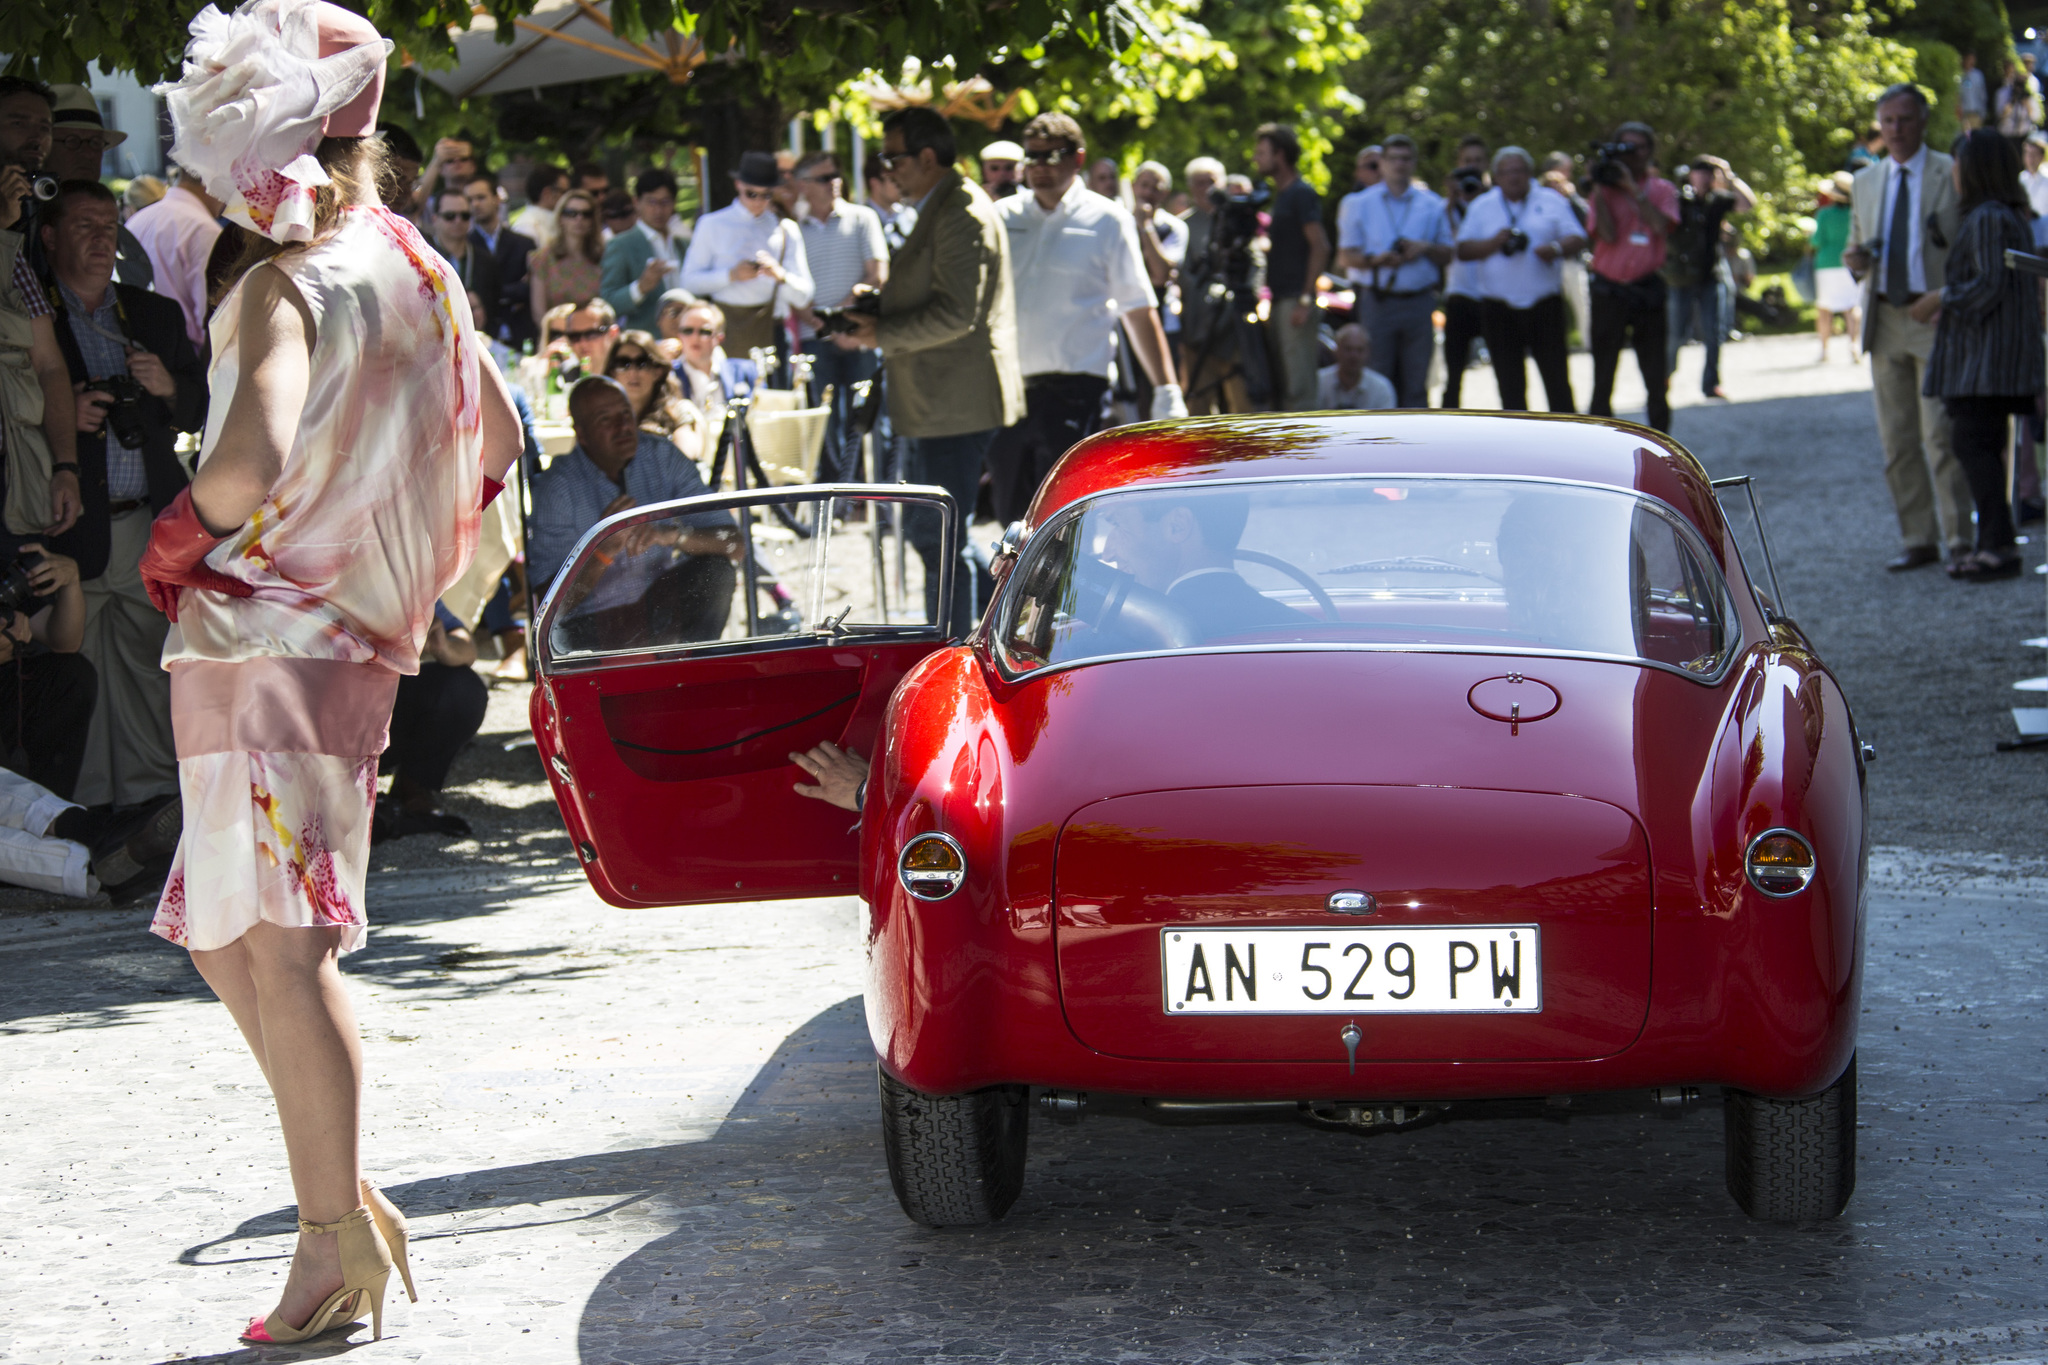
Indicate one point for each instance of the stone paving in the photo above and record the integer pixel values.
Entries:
(650, 1136)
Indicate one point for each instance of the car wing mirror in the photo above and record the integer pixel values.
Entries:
(1753, 544)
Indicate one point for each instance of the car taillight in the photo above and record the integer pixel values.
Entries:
(1779, 862)
(931, 867)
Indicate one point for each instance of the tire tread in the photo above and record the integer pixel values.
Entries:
(1792, 1161)
(954, 1160)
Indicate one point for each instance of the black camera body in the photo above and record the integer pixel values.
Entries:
(124, 414)
(1610, 161)
(1470, 180)
(17, 589)
(840, 321)
(1516, 244)
(1230, 239)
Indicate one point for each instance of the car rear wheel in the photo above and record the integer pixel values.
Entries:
(955, 1160)
(1793, 1161)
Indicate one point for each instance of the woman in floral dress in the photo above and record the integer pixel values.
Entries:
(355, 419)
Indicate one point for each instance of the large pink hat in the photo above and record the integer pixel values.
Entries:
(341, 30)
(261, 87)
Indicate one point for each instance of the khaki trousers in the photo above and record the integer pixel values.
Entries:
(1928, 489)
(129, 753)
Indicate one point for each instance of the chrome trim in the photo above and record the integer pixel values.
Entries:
(1749, 873)
(953, 879)
(1352, 903)
(994, 628)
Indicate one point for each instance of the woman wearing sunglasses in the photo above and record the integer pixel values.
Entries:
(567, 272)
(656, 393)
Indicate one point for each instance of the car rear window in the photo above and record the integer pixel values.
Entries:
(1520, 566)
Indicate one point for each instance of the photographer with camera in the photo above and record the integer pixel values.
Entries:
(1395, 241)
(1696, 268)
(1633, 212)
(845, 249)
(138, 385)
(47, 688)
(1515, 236)
(1463, 320)
(36, 439)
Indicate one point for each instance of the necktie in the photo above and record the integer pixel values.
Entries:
(1898, 244)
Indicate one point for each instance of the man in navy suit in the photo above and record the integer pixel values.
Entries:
(1184, 545)
(512, 309)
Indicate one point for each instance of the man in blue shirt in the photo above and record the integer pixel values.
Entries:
(658, 584)
(1395, 241)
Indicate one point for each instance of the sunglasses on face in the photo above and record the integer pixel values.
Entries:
(574, 213)
(587, 334)
(636, 362)
(447, 217)
(1051, 157)
(695, 332)
(751, 194)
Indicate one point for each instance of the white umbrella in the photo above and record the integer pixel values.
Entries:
(558, 42)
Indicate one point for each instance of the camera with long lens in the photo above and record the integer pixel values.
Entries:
(1470, 180)
(17, 589)
(1516, 244)
(1610, 161)
(840, 321)
(1230, 239)
(124, 414)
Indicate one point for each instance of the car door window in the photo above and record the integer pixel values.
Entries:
(715, 573)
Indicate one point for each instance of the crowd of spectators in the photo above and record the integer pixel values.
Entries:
(1019, 309)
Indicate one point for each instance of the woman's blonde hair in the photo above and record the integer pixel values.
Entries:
(355, 169)
(593, 240)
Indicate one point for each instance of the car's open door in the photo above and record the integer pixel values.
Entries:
(676, 675)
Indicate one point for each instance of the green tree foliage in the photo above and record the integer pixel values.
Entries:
(1219, 69)
(1773, 86)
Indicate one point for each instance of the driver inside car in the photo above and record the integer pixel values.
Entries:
(1184, 547)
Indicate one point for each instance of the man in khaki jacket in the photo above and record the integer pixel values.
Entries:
(948, 332)
(1905, 217)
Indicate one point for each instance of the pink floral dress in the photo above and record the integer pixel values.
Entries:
(281, 701)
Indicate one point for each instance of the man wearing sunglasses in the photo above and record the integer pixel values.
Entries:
(748, 261)
(844, 247)
(1080, 251)
(948, 330)
(478, 272)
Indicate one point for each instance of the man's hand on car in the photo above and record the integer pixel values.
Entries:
(838, 772)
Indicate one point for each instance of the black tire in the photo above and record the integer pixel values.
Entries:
(1792, 1161)
(955, 1160)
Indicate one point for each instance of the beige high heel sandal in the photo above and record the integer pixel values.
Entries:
(391, 1223)
(365, 1269)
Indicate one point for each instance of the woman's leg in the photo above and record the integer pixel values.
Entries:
(283, 987)
(1824, 324)
(1981, 427)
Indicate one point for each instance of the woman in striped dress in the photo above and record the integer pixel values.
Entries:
(1987, 360)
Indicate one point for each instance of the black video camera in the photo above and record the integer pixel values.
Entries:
(17, 590)
(1516, 244)
(1230, 239)
(840, 321)
(1610, 161)
(124, 413)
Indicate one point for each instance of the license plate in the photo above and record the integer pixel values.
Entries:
(1410, 969)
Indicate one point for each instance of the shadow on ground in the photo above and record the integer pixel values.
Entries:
(1539, 1236)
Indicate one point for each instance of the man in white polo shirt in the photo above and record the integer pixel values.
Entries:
(1079, 271)
(845, 249)
(1517, 233)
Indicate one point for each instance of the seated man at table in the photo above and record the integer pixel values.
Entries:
(659, 583)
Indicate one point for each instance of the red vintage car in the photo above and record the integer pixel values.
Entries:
(1362, 765)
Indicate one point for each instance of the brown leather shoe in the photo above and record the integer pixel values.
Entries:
(1914, 558)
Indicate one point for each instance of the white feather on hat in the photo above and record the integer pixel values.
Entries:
(249, 110)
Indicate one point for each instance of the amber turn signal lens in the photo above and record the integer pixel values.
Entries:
(1780, 863)
(931, 867)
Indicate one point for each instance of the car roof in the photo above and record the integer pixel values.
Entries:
(1295, 445)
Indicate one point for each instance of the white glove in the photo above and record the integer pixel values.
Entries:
(1167, 402)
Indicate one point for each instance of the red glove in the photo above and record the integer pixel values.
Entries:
(176, 558)
(491, 490)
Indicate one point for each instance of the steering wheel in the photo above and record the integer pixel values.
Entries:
(1323, 599)
(1116, 603)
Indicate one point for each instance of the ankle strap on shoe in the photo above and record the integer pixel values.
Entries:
(315, 1229)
